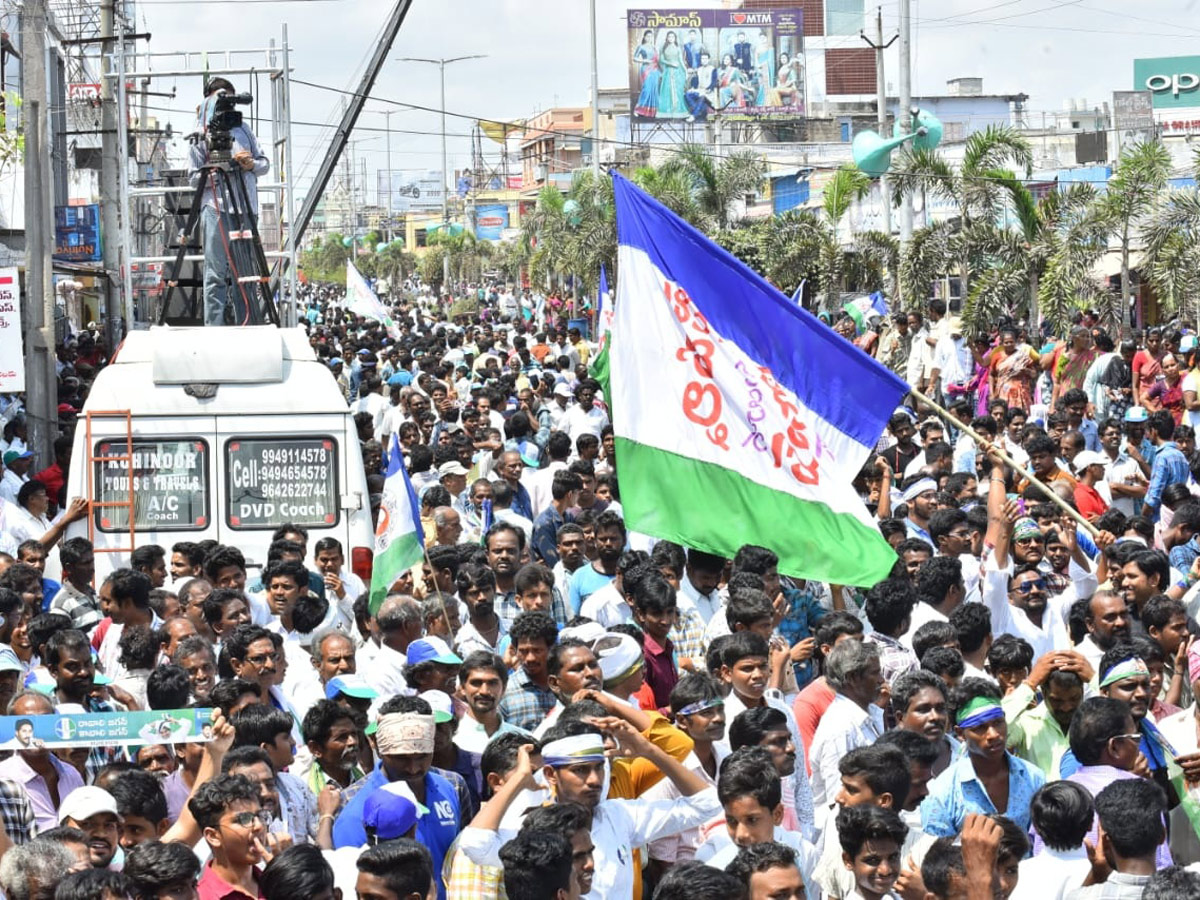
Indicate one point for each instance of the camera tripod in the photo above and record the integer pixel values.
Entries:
(247, 289)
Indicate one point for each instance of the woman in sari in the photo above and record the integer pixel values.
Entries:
(647, 59)
(731, 83)
(1167, 391)
(787, 84)
(1070, 362)
(1013, 371)
(673, 89)
(764, 67)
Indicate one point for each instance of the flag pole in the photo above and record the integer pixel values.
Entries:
(996, 448)
(433, 572)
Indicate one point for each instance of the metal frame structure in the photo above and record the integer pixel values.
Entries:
(273, 62)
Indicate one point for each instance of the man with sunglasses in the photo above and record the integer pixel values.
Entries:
(1016, 594)
(230, 816)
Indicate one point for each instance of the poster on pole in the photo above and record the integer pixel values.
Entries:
(688, 65)
(12, 356)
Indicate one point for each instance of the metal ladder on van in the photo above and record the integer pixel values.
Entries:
(93, 459)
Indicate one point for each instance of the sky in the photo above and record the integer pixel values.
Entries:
(537, 56)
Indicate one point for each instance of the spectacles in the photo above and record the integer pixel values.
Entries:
(1027, 586)
(246, 819)
(1136, 736)
(260, 658)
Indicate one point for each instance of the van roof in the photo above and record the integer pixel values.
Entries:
(258, 370)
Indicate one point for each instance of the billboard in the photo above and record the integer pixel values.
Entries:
(490, 221)
(12, 369)
(411, 190)
(1173, 81)
(687, 65)
(77, 233)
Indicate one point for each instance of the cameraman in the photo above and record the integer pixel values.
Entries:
(218, 275)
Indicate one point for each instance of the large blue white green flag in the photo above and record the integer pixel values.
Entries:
(739, 417)
(361, 300)
(399, 537)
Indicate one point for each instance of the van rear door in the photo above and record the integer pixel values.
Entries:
(277, 469)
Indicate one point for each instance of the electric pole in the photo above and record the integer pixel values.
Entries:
(881, 107)
(40, 376)
(904, 116)
(110, 189)
(390, 226)
(595, 99)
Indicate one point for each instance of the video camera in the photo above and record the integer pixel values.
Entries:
(223, 117)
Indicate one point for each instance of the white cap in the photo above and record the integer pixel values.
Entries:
(1088, 458)
(85, 802)
(562, 389)
(453, 467)
(443, 706)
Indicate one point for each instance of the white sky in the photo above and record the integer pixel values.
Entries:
(538, 56)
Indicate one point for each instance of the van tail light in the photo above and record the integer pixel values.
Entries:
(361, 560)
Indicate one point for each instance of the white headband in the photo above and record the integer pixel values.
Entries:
(404, 734)
(579, 748)
(918, 488)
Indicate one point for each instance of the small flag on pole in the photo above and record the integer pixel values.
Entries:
(399, 538)
(760, 416)
(798, 297)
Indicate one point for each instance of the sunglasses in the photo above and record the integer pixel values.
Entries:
(246, 819)
(1028, 586)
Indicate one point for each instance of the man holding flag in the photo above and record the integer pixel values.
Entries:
(399, 537)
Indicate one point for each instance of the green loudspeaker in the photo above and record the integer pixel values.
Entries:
(873, 153)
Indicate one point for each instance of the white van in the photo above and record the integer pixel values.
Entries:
(235, 432)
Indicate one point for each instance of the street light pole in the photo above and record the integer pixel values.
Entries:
(441, 63)
(595, 100)
(390, 226)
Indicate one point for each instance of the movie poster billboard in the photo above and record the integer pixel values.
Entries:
(688, 65)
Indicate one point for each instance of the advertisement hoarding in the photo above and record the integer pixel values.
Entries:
(12, 356)
(411, 190)
(687, 65)
(1173, 81)
(490, 221)
(77, 233)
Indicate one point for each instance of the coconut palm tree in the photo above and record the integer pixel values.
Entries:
(1139, 176)
(717, 184)
(973, 187)
(1172, 246)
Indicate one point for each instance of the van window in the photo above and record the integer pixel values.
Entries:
(170, 483)
(270, 481)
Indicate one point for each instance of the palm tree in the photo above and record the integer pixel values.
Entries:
(673, 188)
(1172, 245)
(716, 184)
(1139, 177)
(974, 187)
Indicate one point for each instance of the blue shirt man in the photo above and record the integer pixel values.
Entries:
(1170, 465)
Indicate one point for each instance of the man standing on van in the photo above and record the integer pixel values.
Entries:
(253, 164)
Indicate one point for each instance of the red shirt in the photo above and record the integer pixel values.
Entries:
(808, 708)
(1088, 501)
(213, 887)
(660, 669)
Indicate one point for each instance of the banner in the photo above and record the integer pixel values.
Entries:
(410, 190)
(158, 726)
(12, 354)
(742, 64)
(490, 221)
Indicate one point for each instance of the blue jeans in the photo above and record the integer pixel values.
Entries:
(219, 284)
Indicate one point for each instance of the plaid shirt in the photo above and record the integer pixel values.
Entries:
(17, 812)
(526, 704)
(1119, 886)
(804, 611)
(466, 880)
(84, 609)
(508, 610)
(687, 634)
(99, 757)
(894, 658)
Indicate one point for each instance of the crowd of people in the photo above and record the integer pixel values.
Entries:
(552, 705)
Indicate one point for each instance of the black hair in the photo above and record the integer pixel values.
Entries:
(213, 606)
(483, 659)
(908, 685)
(654, 594)
(1158, 611)
(751, 725)
(1131, 813)
(916, 749)
(1172, 883)
(537, 865)
(139, 793)
(210, 800)
(132, 585)
(238, 641)
(227, 691)
(1062, 813)
(694, 880)
(531, 575)
(943, 860)
(761, 858)
(168, 687)
(867, 822)
(139, 646)
(259, 724)
(1096, 721)
(501, 752)
(222, 557)
(1010, 653)
(884, 769)
(1154, 563)
(694, 687)
(153, 866)
(299, 871)
(565, 818)
(1014, 841)
(890, 604)
(937, 577)
(973, 623)
(669, 555)
(320, 719)
(749, 772)
(532, 625)
(834, 625)
(93, 884)
(741, 645)
(933, 634)
(404, 866)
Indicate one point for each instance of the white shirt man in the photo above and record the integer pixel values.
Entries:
(577, 421)
(844, 726)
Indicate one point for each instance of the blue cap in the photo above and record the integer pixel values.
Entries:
(351, 686)
(402, 378)
(431, 649)
(391, 811)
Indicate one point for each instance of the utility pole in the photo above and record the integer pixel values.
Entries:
(595, 98)
(390, 228)
(353, 209)
(441, 64)
(881, 107)
(110, 189)
(904, 117)
(40, 380)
